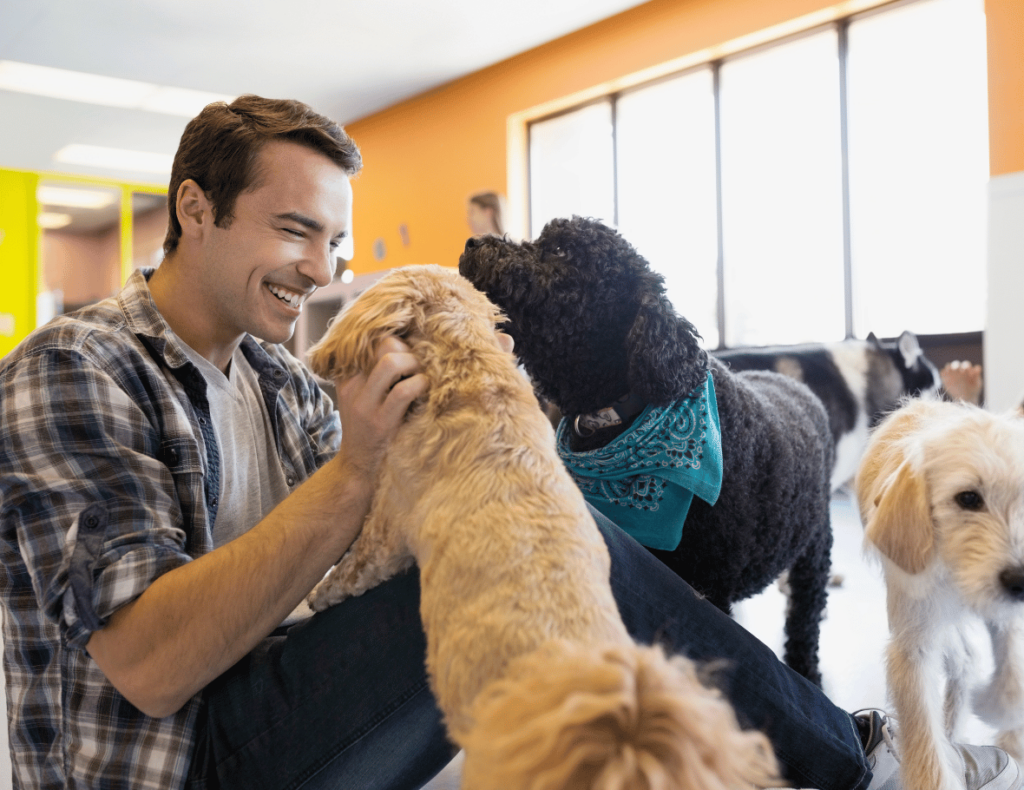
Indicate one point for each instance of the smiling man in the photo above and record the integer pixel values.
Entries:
(171, 487)
(173, 483)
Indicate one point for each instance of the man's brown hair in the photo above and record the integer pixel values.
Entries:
(220, 148)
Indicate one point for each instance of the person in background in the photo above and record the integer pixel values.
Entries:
(485, 214)
(962, 380)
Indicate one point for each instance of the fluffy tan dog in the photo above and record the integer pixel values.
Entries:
(528, 658)
(941, 494)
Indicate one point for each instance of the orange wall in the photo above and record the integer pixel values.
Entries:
(425, 156)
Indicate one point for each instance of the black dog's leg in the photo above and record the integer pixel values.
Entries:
(808, 581)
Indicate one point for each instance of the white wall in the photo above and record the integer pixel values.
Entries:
(1004, 330)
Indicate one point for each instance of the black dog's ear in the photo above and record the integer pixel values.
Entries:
(666, 361)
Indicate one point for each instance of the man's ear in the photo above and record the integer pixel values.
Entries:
(192, 207)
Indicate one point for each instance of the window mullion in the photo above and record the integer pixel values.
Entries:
(716, 84)
(614, 98)
(842, 38)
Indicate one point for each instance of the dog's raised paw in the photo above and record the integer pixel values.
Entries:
(1012, 742)
(998, 706)
(324, 596)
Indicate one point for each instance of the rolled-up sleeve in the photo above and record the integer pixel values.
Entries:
(88, 489)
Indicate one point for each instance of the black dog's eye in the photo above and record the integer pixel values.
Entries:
(969, 500)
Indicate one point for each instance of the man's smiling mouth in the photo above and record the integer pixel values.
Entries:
(288, 297)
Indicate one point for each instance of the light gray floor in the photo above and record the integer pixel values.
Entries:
(853, 635)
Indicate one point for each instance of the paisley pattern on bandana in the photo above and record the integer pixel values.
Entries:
(646, 478)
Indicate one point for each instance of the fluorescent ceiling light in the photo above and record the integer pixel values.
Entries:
(74, 198)
(108, 91)
(180, 101)
(63, 84)
(114, 158)
(50, 220)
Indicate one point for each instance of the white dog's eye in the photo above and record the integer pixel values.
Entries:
(969, 500)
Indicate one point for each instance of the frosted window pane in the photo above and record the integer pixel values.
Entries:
(919, 165)
(781, 194)
(666, 179)
(571, 166)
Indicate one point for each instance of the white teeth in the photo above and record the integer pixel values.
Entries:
(292, 299)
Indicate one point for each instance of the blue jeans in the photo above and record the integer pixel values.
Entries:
(342, 701)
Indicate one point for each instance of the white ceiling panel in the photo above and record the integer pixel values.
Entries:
(347, 59)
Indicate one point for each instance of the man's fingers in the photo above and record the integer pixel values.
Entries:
(403, 393)
(391, 345)
(390, 370)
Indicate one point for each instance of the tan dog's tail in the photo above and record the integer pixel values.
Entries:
(624, 717)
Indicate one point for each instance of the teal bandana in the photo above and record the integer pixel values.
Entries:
(646, 478)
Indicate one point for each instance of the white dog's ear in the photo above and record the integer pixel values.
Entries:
(901, 524)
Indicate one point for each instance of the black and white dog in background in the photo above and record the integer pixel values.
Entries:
(858, 381)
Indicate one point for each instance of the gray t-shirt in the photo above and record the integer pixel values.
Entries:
(252, 480)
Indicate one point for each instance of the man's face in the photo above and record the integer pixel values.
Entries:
(280, 246)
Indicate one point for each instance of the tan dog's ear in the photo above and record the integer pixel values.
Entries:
(350, 344)
(901, 523)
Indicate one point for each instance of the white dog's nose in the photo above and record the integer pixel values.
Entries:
(1012, 580)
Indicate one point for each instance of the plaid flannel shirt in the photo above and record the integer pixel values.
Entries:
(109, 473)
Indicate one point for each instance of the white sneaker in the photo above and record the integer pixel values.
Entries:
(985, 767)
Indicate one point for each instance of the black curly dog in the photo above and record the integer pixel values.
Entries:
(592, 324)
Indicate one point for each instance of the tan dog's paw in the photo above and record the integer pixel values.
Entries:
(326, 594)
(354, 575)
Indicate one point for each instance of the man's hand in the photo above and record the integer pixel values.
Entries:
(373, 406)
(963, 381)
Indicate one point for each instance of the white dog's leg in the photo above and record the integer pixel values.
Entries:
(377, 554)
(928, 760)
(958, 662)
(1001, 702)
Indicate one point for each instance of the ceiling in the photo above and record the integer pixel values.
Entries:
(346, 58)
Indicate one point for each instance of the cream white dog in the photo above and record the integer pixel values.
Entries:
(530, 663)
(941, 495)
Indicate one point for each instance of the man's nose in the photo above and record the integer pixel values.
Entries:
(320, 268)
